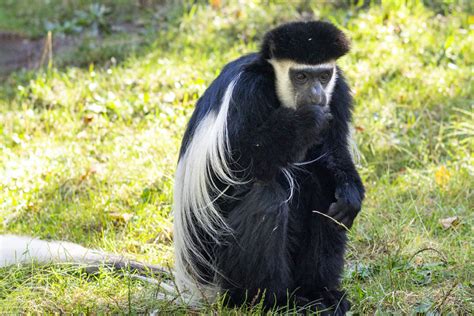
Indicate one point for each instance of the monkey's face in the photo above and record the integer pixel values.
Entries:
(299, 85)
(310, 84)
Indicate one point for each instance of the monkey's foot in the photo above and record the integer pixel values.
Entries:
(331, 303)
(337, 301)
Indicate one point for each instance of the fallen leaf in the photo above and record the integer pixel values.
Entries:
(470, 20)
(87, 119)
(418, 261)
(449, 222)
(442, 176)
(216, 4)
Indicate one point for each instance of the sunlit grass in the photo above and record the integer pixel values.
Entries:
(80, 148)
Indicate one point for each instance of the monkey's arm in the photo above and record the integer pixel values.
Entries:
(265, 135)
(349, 190)
(283, 138)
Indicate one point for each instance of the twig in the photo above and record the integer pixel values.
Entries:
(47, 50)
(335, 221)
(443, 258)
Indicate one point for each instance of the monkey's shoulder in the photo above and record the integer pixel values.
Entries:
(253, 87)
(253, 72)
(250, 76)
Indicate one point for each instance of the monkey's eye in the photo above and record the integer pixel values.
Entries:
(325, 76)
(301, 77)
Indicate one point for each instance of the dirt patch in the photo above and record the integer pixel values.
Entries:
(19, 52)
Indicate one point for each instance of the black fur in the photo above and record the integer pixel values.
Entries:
(312, 42)
(281, 250)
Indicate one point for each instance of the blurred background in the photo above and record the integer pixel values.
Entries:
(95, 96)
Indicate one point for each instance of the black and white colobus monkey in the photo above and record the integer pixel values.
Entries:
(266, 146)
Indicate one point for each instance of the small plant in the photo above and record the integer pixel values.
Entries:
(94, 20)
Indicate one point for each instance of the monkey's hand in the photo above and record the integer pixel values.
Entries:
(316, 120)
(348, 204)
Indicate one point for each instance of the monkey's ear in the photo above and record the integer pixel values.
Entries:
(342, 44)
(272, 48)
(268, 46)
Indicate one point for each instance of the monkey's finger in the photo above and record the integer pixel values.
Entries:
(340, 216)
(339, 211)
(348, 221)
(333, 209)
(341, 224)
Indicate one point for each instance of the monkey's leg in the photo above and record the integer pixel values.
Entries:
(320, 265)
(319, 259)
(254, 263)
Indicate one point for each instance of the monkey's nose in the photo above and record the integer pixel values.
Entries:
(317, 96)
(319, 99)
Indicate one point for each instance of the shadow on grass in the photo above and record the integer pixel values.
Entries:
(103, 41)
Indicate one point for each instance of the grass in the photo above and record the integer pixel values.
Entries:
(87, 154)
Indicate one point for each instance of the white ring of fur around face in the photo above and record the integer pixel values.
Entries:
(283, 83)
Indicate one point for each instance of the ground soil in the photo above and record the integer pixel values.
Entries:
(17, 51)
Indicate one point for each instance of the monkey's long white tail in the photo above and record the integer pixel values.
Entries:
(20, 250)
(25, 250)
